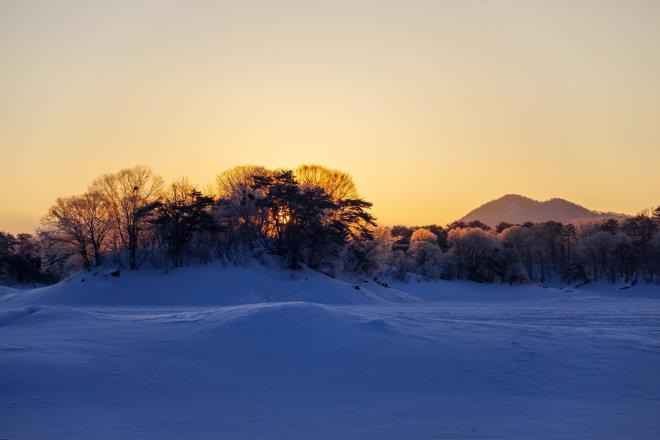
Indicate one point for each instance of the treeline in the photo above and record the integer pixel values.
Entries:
(20, 260)
(310, 216)
(627, 251)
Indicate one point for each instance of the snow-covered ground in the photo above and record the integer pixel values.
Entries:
(256, 353)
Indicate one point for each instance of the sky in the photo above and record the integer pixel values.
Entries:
(434, 107)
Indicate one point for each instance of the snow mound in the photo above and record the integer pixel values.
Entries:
(213, 285)
(294, 325)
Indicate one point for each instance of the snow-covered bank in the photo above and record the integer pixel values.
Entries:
(217, 285)
(500, 292)
(206, 285)
(535, 363)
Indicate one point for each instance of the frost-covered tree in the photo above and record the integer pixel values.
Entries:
(641, 230)
(598, 249)
(474, 254)
(511, 268)
(425, 253)
(371, 256)
(521, 240)
(423, 235)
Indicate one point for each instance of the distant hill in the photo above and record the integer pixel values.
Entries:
(517, 209)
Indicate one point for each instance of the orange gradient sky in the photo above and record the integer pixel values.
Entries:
(435, 107)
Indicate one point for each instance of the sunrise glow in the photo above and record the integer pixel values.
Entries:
(433, 107)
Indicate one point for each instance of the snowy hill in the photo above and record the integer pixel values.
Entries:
(263, 353)
(204, 286)
(516, 209)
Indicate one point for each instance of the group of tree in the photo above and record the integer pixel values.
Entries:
(311, 216)
(627, 251)
(20, 260)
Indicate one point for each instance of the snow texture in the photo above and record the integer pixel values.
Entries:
(257, 353)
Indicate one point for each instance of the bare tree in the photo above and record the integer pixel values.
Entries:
(337, 184)
(125, 194)
(235, 188)
(237, 183)
(81, 222)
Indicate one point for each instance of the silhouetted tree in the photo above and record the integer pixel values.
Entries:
(125, 194)
(7, 240)
(502, 226)
(303, 222)
(337, 184)
(20, 260)
(314, 216)
(456, 225)
(610, 225)
(401, 235)
(441, 236)
(178, 215)
(80, 222)
(478, 224)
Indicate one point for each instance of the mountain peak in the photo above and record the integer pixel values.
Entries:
(518, 209)
(513, 197)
